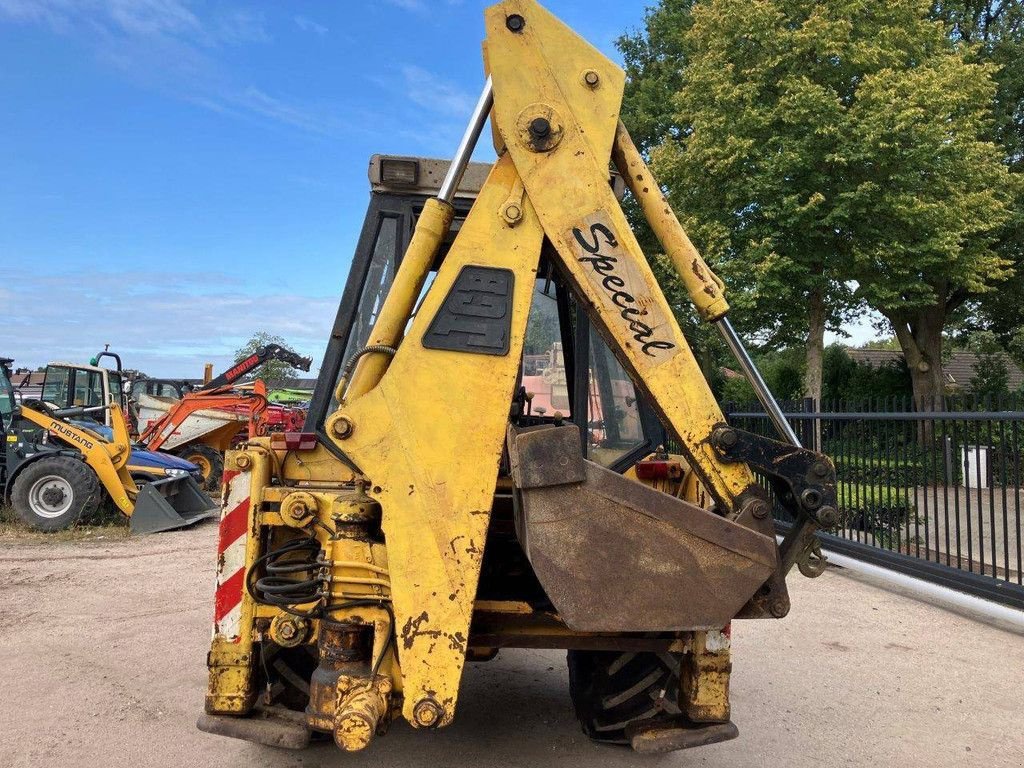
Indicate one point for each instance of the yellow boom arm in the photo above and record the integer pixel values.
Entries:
(409, 418)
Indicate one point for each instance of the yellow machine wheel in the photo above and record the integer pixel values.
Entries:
(210, 462)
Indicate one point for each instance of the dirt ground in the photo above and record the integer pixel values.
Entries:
(103, 646)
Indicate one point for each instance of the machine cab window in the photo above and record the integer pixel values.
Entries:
(57, 386)
(567, 370)
(7, 403)
(72, 386)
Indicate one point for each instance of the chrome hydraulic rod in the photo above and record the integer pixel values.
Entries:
(764, 394)
(705, 288)
(431, 229)
(450, 185)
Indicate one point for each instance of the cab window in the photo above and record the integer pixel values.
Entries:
(6, 399)
(378, 283)
(543, 371)
(88, 388)
(56, 386)
(613, 412)
(115, 387)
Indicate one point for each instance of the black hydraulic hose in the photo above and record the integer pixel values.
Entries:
(279, 587)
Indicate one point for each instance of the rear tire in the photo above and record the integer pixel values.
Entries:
(54, 493)
(610, 689)
(209, 461)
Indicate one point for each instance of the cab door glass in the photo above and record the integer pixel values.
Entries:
(375, 289)
(56, 386)
(6, 399)
(88, 389)
(115, 388)
(543, 372)
(613, 414)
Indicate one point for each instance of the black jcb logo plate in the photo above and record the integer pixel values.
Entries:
(477, 313)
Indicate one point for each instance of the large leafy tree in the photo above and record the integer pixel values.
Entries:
(995, 31)
(273, 371)
(809, 145)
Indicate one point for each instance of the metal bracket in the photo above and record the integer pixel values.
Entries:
(804, 482)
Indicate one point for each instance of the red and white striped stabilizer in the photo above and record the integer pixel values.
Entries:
(231, 544)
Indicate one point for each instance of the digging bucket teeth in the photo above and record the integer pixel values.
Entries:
(174, 502)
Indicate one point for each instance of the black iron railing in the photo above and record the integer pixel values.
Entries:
(929, 484)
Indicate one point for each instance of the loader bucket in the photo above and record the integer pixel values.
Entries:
(174, 502)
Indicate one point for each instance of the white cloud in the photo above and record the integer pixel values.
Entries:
(432, 92)
(308, 25)
(132, 17)
(408, 5)
(148, 17)
(163, 45)
(159, 323)
(238, 26)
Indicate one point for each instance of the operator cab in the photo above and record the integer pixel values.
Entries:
(567, 372)
(7, 401)
(172, 388)
(70, 385)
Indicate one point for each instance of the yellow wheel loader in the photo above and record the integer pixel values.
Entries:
(429, 515)
(56, 470)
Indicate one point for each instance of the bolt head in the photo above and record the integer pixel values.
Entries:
(811, 498)
(540, 127)
(591, 78)
(778, 608)
(343, 427)
(725, 437)
(761, 509)
(298, 510)
(287, 630)
(427, 713)
(515, 23)
(243, 462)
(828, 517)
(512, 213)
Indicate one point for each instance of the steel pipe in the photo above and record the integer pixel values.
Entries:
(925, 591)
(453, 177)
(753, 375)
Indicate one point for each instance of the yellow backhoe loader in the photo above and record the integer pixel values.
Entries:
(429, 515)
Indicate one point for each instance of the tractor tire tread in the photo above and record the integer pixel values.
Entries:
(611, 689)
(84, 485)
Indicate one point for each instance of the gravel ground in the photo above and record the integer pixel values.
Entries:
(104, 642)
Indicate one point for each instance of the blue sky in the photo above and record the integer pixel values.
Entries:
(178, 174)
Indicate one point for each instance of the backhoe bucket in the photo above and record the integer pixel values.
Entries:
(174, 502)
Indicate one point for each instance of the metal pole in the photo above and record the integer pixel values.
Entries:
(756, 381)
(1002, 615)
(469, 139)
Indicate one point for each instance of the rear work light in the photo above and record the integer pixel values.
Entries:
(399, 172)
(293, 441)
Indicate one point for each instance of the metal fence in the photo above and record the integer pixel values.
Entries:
(928, 488)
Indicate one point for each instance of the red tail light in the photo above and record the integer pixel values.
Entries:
(658, 469)
(293, 441)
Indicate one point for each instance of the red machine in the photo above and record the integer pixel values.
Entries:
(206, 422)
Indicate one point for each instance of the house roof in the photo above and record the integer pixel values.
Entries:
(959, 369)
(34, 378)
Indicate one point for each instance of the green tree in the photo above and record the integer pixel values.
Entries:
(814, 144)
(272, 371)
(890, 342)
(995, 31)
(852, 383)
(991, 377)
